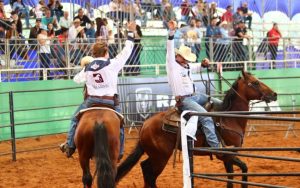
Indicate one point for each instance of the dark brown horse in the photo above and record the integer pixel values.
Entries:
(159, 145)
(97, 135)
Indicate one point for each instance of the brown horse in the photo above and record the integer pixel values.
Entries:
(159, 145)
(97, 135)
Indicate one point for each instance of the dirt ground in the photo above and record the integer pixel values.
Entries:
(50, 168)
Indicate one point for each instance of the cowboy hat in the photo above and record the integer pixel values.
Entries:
(80, 28)
(86, 60)
(186, 53)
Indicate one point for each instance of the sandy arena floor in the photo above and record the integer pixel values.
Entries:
(50, 168)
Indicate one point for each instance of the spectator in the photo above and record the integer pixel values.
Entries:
(12, 35)
(198, 42)
(51, 33)
(73, 30)
(113, 6)
(197, 10)
(45, 52)
(228, 16)
(274, 36)
(49, 19)
(40, 9)
(223, 43)
(205, 14)
(4, 20)
(60, 48)
(79, 47)
(83, 18)
(17, 20)
(34, 31)
(2, 40)
(214, 13)
(185, 11)
(90, 32)
(102, 32)
(239, 50)
(20, 8)
(134, 58)
(65, 21)
(139, 12)
(212, 33)
(56, 9)
(247, 15)
(168, 15)
(190, 34)
(237, 18)
(2, 11)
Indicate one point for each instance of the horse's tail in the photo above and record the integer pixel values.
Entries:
(129, 162)
(104, 169)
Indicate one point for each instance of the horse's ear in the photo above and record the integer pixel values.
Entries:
(244, 74)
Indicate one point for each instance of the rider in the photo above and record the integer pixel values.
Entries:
(100, 77)
(182, 85)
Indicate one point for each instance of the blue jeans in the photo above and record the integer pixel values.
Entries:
(86, 104)
(26, 12)
(195, 103)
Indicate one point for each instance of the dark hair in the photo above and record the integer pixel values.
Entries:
(99, 24)
(229, 6)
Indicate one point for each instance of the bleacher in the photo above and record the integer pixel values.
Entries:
(153, 42)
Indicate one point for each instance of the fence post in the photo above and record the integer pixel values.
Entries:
(67, 55)
(12, 126)
(211, 49)
(284, 51)
(190, 143)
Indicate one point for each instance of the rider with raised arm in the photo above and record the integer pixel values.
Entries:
(179, 71)
(100, 78)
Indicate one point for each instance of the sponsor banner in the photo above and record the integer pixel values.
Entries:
(144, 96)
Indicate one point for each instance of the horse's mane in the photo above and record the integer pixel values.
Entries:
(230, 95)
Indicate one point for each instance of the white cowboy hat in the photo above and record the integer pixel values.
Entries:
(186, 53)
(86, 60)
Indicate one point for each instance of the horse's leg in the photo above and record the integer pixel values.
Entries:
(87, 178)
(229, 169)
(152, 168)
(236, 161)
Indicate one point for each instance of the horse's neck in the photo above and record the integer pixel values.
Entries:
(239, 104)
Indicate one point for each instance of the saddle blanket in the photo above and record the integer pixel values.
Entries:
(100, 108)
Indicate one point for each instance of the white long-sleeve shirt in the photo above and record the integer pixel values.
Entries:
(179, 77)
(101, 75)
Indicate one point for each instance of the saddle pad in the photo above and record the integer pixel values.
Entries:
(100, 108)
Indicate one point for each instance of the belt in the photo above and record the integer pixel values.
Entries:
(183, 96)
(102, 97)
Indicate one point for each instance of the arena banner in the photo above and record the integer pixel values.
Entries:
(141, 97)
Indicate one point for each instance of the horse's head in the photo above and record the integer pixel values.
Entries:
(253, 89)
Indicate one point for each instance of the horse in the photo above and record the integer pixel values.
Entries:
(159, 144)
(97, 135)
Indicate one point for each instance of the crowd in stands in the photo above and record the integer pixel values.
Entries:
(53, 27)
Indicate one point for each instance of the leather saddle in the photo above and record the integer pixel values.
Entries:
(171, 120)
